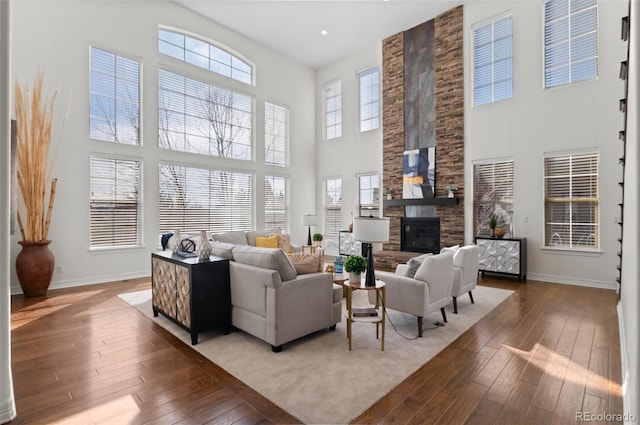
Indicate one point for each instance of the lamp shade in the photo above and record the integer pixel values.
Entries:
(309, 220)
(371, 229)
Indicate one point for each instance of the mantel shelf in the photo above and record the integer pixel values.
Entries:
(421, 201)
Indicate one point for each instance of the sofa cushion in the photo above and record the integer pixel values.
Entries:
(267, 242)
(222, 249)
(236, 237)
(306, 263)
(268, 258)
(413, 264)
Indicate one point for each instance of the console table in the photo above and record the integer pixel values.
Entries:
(194, 294)
(503, 256)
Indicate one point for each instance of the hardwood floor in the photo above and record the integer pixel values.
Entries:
(83, 356)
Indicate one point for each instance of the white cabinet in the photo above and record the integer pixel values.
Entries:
(504, 256)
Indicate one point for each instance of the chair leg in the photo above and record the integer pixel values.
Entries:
(471, 296)
(419, 327)
(444, 315)
(455, 305)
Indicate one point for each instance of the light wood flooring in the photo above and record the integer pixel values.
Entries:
(84, 356)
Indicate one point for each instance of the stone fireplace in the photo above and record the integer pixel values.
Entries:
(442, 105)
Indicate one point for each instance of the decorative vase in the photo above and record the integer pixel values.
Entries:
(389, 196)
(34, 267)
(499, 232)
(175, 241)
(203, 248)
(450, 194)
(355, 277)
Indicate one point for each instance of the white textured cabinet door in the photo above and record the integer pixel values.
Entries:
(502, 256)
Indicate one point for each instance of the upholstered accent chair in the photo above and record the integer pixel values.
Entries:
(465, 272)
(428, 291)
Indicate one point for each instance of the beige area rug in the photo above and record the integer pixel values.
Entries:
(316, 378)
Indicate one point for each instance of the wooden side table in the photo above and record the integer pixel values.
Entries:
(381, 294)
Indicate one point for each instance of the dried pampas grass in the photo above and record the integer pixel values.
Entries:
(34, 119)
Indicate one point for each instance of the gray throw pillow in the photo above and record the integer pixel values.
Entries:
(222, 249)
(414, 263)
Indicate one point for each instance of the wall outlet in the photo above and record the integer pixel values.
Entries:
(60, 269)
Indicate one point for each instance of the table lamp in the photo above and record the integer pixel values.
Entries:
(309, 220)
(370, 230)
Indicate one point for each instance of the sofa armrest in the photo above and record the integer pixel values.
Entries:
(403, 293)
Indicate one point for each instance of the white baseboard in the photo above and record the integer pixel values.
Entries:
(7, 411)
(573, 281)
(16, 290)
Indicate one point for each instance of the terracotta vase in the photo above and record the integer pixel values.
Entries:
(34, 266)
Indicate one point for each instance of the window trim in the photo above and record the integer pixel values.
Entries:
(325, 87)
(378, 99)
(359, 191)
(478, 231)
(325, 205)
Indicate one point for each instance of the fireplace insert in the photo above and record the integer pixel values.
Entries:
(420, 234)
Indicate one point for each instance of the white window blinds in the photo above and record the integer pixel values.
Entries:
(570, 40)
(369, 195)
(492, 193)
(333, 206)
(114, 98)
(204, 55)
(369, 98)
(333, 109)
(493, 61)
(193, 199)
(571, 200)
(275, 202)
(276, 130)
(114, 203)
(200, 118)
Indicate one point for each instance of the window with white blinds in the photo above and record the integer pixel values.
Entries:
(369, 195)
(204, 55)
(333, 109)
(571, 198)
(570, 41)
(200, 118)
(492, 193)
(333, 206)
(493, 60)
(369, 98)
(114, 97)
(114, 203)
(276, 202)
(193, 199)
(276, 131)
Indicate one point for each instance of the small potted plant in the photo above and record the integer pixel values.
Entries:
(493, 222)
(388, 193)
(355, 265)
(451, 188)
(317, 238)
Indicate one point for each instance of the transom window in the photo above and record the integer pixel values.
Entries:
(114, 202)
(333, 109)
(570, 41)
(276, 134)
(571, 200)
(492, 194)
(493, 60)
(204, 55)
(369, 98)
(114, 93)
(193, 199)
(197, 117)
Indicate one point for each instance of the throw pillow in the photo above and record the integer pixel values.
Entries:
(453, 249)
(414, 264)
(306, 263)
(267, 242)
(284, 242)
(222, 249)
(236, 237)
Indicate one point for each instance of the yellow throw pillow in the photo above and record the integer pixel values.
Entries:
(269, 242)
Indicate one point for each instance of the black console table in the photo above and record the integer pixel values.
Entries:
(194, 294)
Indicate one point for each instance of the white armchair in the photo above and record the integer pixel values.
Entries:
(465, 272)
(428, 291)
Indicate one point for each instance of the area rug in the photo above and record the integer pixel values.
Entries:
(316, 378)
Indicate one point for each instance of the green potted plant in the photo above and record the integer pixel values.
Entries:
(493, 222)
(317, 238)
(355, 265)
(388, 193)
(451, 188)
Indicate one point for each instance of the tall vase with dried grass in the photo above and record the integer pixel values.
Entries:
(34, 115)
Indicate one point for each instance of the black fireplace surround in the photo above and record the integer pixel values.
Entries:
(420, 234)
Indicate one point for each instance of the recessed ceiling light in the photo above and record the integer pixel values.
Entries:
(324, 32)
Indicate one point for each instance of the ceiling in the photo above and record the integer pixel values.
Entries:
(293, 27)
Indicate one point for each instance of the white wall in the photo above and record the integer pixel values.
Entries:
(629, 307)
(56, 37)
(355, 152)
(536, 121)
